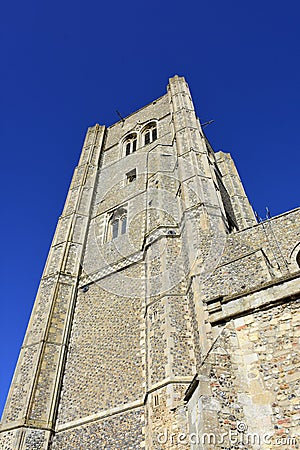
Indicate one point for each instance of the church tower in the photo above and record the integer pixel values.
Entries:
(120, 328)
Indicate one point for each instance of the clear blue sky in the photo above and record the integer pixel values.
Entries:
(68, 65)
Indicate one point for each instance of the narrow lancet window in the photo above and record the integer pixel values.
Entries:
(130, 144)
(123, 224)
(150, 133)
(117, 223)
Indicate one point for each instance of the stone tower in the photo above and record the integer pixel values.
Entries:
(165, 313)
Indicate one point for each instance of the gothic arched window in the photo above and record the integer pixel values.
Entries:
(150, 133)
(130, 144)
(117, 223)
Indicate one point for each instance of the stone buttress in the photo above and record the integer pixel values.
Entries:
(29, 417)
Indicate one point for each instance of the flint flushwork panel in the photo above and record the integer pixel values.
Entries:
(122, 431)
(104, 348)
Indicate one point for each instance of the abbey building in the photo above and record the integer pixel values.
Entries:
(166, 317)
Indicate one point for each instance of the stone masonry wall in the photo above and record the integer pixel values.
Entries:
(249, 376)
(122, 431)
(249, 383)
(104, 366)
(254, 256)
(122, 327)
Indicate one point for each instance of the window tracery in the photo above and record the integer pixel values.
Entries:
(130, 144)
(150, 133)
(117, 224)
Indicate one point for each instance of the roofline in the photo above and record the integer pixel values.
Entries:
(268, 220)
(140, 109)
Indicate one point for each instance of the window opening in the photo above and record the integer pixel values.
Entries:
(147, 137)
(154, 316)
(123, 224)
(117, 223)
(150, 134)
(154, 134)
(131, 176)
(115, 228)
(130, 144)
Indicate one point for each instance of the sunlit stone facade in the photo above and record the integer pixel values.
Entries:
(167, 317)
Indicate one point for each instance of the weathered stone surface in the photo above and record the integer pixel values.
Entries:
(166, 317)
